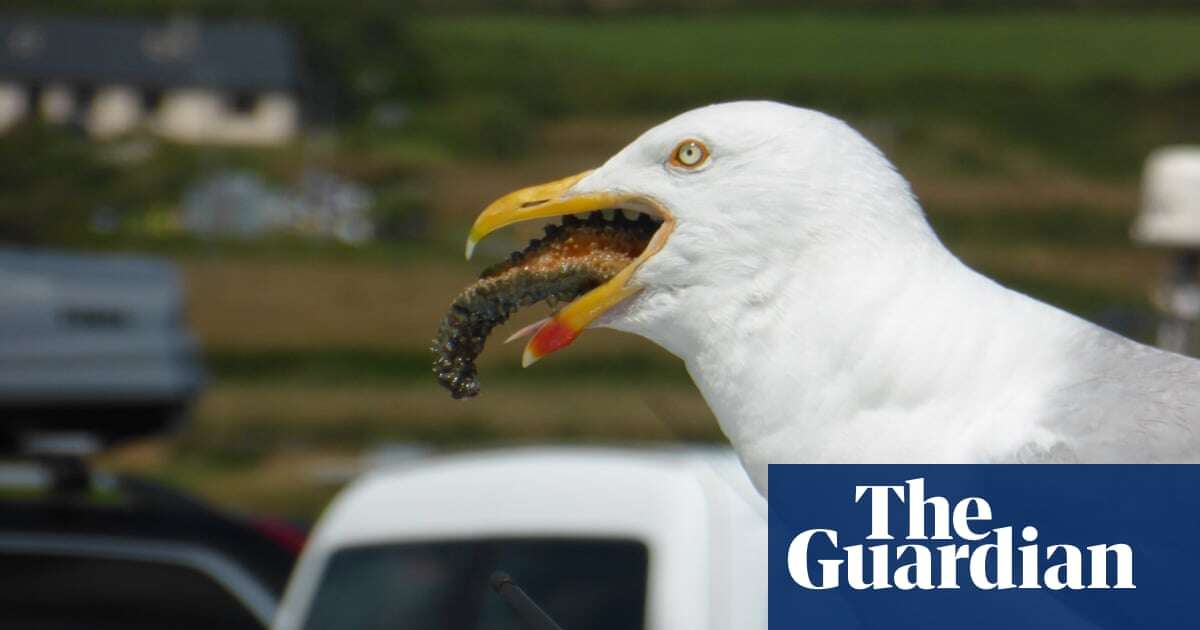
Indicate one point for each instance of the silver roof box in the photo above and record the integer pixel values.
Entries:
(93, 350)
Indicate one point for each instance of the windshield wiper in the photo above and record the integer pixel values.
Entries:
(530, 614)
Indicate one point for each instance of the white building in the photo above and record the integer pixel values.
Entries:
(227, 83)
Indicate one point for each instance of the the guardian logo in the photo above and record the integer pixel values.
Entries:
(975, 553)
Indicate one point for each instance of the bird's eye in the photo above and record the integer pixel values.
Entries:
(689, 154)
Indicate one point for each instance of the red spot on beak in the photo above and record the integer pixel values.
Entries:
(553, 335)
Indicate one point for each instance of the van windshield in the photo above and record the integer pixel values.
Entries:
(583, 584)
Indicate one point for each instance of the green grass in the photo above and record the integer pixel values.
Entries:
(1095, 91)
(279, 247)
(1055, 227)
(739, 49)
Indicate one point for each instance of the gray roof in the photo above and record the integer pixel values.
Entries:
(232, 55)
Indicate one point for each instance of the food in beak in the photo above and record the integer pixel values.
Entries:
(572, 259)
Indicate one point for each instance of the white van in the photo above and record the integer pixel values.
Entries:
(600, 538)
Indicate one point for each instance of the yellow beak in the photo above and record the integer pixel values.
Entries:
(535, 202)
(554, 199)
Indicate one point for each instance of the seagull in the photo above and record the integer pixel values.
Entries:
(823, 321)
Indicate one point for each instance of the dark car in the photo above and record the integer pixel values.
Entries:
(82, 550)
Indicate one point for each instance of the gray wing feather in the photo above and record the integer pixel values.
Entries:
(1130, 404)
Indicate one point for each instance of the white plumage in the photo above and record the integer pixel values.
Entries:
(823, 320)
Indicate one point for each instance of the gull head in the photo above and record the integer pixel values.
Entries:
(747, 197)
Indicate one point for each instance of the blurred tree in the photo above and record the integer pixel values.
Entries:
(494, 125)
(362, 51)
(401, 212)
(594, 7)
(50, 181)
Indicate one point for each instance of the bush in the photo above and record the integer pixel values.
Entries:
(50, 180)
(401, 212)
(495, 126)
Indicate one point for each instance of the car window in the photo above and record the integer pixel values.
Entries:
(585, 584)
(56, 592)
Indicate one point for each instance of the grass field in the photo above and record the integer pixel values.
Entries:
(1095, 90)
(733, 53)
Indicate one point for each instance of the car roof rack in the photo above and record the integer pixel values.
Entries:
(65, 475)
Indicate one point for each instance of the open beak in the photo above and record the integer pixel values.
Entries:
(556, 199)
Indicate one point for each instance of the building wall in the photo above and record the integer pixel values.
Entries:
(13, 103)
(195, 116)
(57, 103)
(115, 110)
(188, 115)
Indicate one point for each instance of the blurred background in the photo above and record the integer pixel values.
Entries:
(308, 169)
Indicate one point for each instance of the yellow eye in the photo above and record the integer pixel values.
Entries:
(690, 154)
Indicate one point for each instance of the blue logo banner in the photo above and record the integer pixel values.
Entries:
(973, 546)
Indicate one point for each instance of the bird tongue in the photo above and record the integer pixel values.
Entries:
(572, 259)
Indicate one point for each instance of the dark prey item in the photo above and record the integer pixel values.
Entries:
(572, 259)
